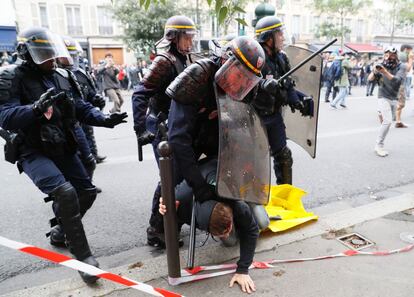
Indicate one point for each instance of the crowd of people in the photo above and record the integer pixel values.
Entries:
(50, 101)
(392, 73)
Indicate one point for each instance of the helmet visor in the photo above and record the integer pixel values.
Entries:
(235, 79)
(50, 47)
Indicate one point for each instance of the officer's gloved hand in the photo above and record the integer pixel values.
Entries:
(286, 83)
(270, 86)
(205, 193)
(98, 101)
(45, 101)
(145, 137)
(302, 103)
(115, 119)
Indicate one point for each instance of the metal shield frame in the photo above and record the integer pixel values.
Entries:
(243, 171)
(299, 129)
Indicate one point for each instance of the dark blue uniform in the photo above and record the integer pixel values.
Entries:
(193, 130)
(47, 153)
(269, 107)
(148, 100)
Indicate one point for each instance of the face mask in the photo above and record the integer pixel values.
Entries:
(390, 63)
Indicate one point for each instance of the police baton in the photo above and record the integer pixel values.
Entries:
(294, 69)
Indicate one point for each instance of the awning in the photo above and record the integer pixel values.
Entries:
(7, 38)
(333, 48)
(364, 48)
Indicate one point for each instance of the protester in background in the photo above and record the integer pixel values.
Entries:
(341, 80)
(390, 74)
(328, 78)
(406, 56)
(110, 82)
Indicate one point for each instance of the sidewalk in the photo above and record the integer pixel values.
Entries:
(381, 222)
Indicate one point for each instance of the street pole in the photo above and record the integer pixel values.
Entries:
(170, 218)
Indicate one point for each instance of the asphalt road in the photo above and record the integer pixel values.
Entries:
(345, 168)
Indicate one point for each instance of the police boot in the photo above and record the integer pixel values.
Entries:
(283, 166)
(155, 232)
(68, 214)
(57, 236)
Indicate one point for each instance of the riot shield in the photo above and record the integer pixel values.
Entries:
(299, 129)
(243, 171)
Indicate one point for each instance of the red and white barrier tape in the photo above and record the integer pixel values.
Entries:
(80, 266)
(189, 275)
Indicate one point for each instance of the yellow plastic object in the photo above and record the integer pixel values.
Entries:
(286, 202)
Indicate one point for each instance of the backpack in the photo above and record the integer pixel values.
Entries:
(336, 70)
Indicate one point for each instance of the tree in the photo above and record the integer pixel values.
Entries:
(142, 28)
(400, 14)
(337, 9)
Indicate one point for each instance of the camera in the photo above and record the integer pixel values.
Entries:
(379, 66)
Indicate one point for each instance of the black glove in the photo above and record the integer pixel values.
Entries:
(303, 103)
(98, 101)
(115, 119)
(145, 137)
(45, 101)
(270, 86)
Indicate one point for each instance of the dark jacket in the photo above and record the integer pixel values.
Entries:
(109, 77)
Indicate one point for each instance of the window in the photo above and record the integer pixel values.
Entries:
(360, 30)
(73, 18)
(296, 25)
(43, 15)
(105, 19)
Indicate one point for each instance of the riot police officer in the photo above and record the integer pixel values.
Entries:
(273, 94)
(86, 137)
(150, 94)
(193, 131)
(43, 106)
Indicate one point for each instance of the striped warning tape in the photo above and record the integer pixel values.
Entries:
(187, 275)
(190, 275)
(80, 266)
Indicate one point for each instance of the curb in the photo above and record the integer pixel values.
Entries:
(154, 268)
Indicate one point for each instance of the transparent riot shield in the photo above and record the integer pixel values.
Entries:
(243, 171)
(299, 129)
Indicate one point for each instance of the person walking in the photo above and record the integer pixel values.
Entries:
(110, 82)
(341, 81)
(406, 56)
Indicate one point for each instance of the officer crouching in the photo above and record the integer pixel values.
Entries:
(43, 107)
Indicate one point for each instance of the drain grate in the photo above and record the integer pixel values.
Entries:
(355, 241)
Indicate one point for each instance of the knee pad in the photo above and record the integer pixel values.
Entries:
(65, 201)
(86, 199)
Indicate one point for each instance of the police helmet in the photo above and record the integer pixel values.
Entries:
(74, 50)
(242, 70)
(178, 24)
(40, 45)
(266, 26)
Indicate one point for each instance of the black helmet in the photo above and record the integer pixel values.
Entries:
(72, 45)
(266, 26)
(242, 70)
(40, 45)
(74, 50)
(216, 45)
(178, 24)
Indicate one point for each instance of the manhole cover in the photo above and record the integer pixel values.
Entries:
(407, 237)
(355, 241)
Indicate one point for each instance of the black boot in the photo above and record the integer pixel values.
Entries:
(57, 237)
(68, 214)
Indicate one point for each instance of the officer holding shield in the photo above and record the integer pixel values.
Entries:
(194, 131)
(274, 94)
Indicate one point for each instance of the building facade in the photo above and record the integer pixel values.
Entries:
(90, 22)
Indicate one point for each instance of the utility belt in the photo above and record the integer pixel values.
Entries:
(11, 148)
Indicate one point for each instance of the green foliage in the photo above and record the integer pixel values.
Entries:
(143, 26)
(337, 9)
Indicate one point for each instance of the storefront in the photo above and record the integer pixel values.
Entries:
(7, 38)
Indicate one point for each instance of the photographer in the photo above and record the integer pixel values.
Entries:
(389, 75)
(111, 83)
